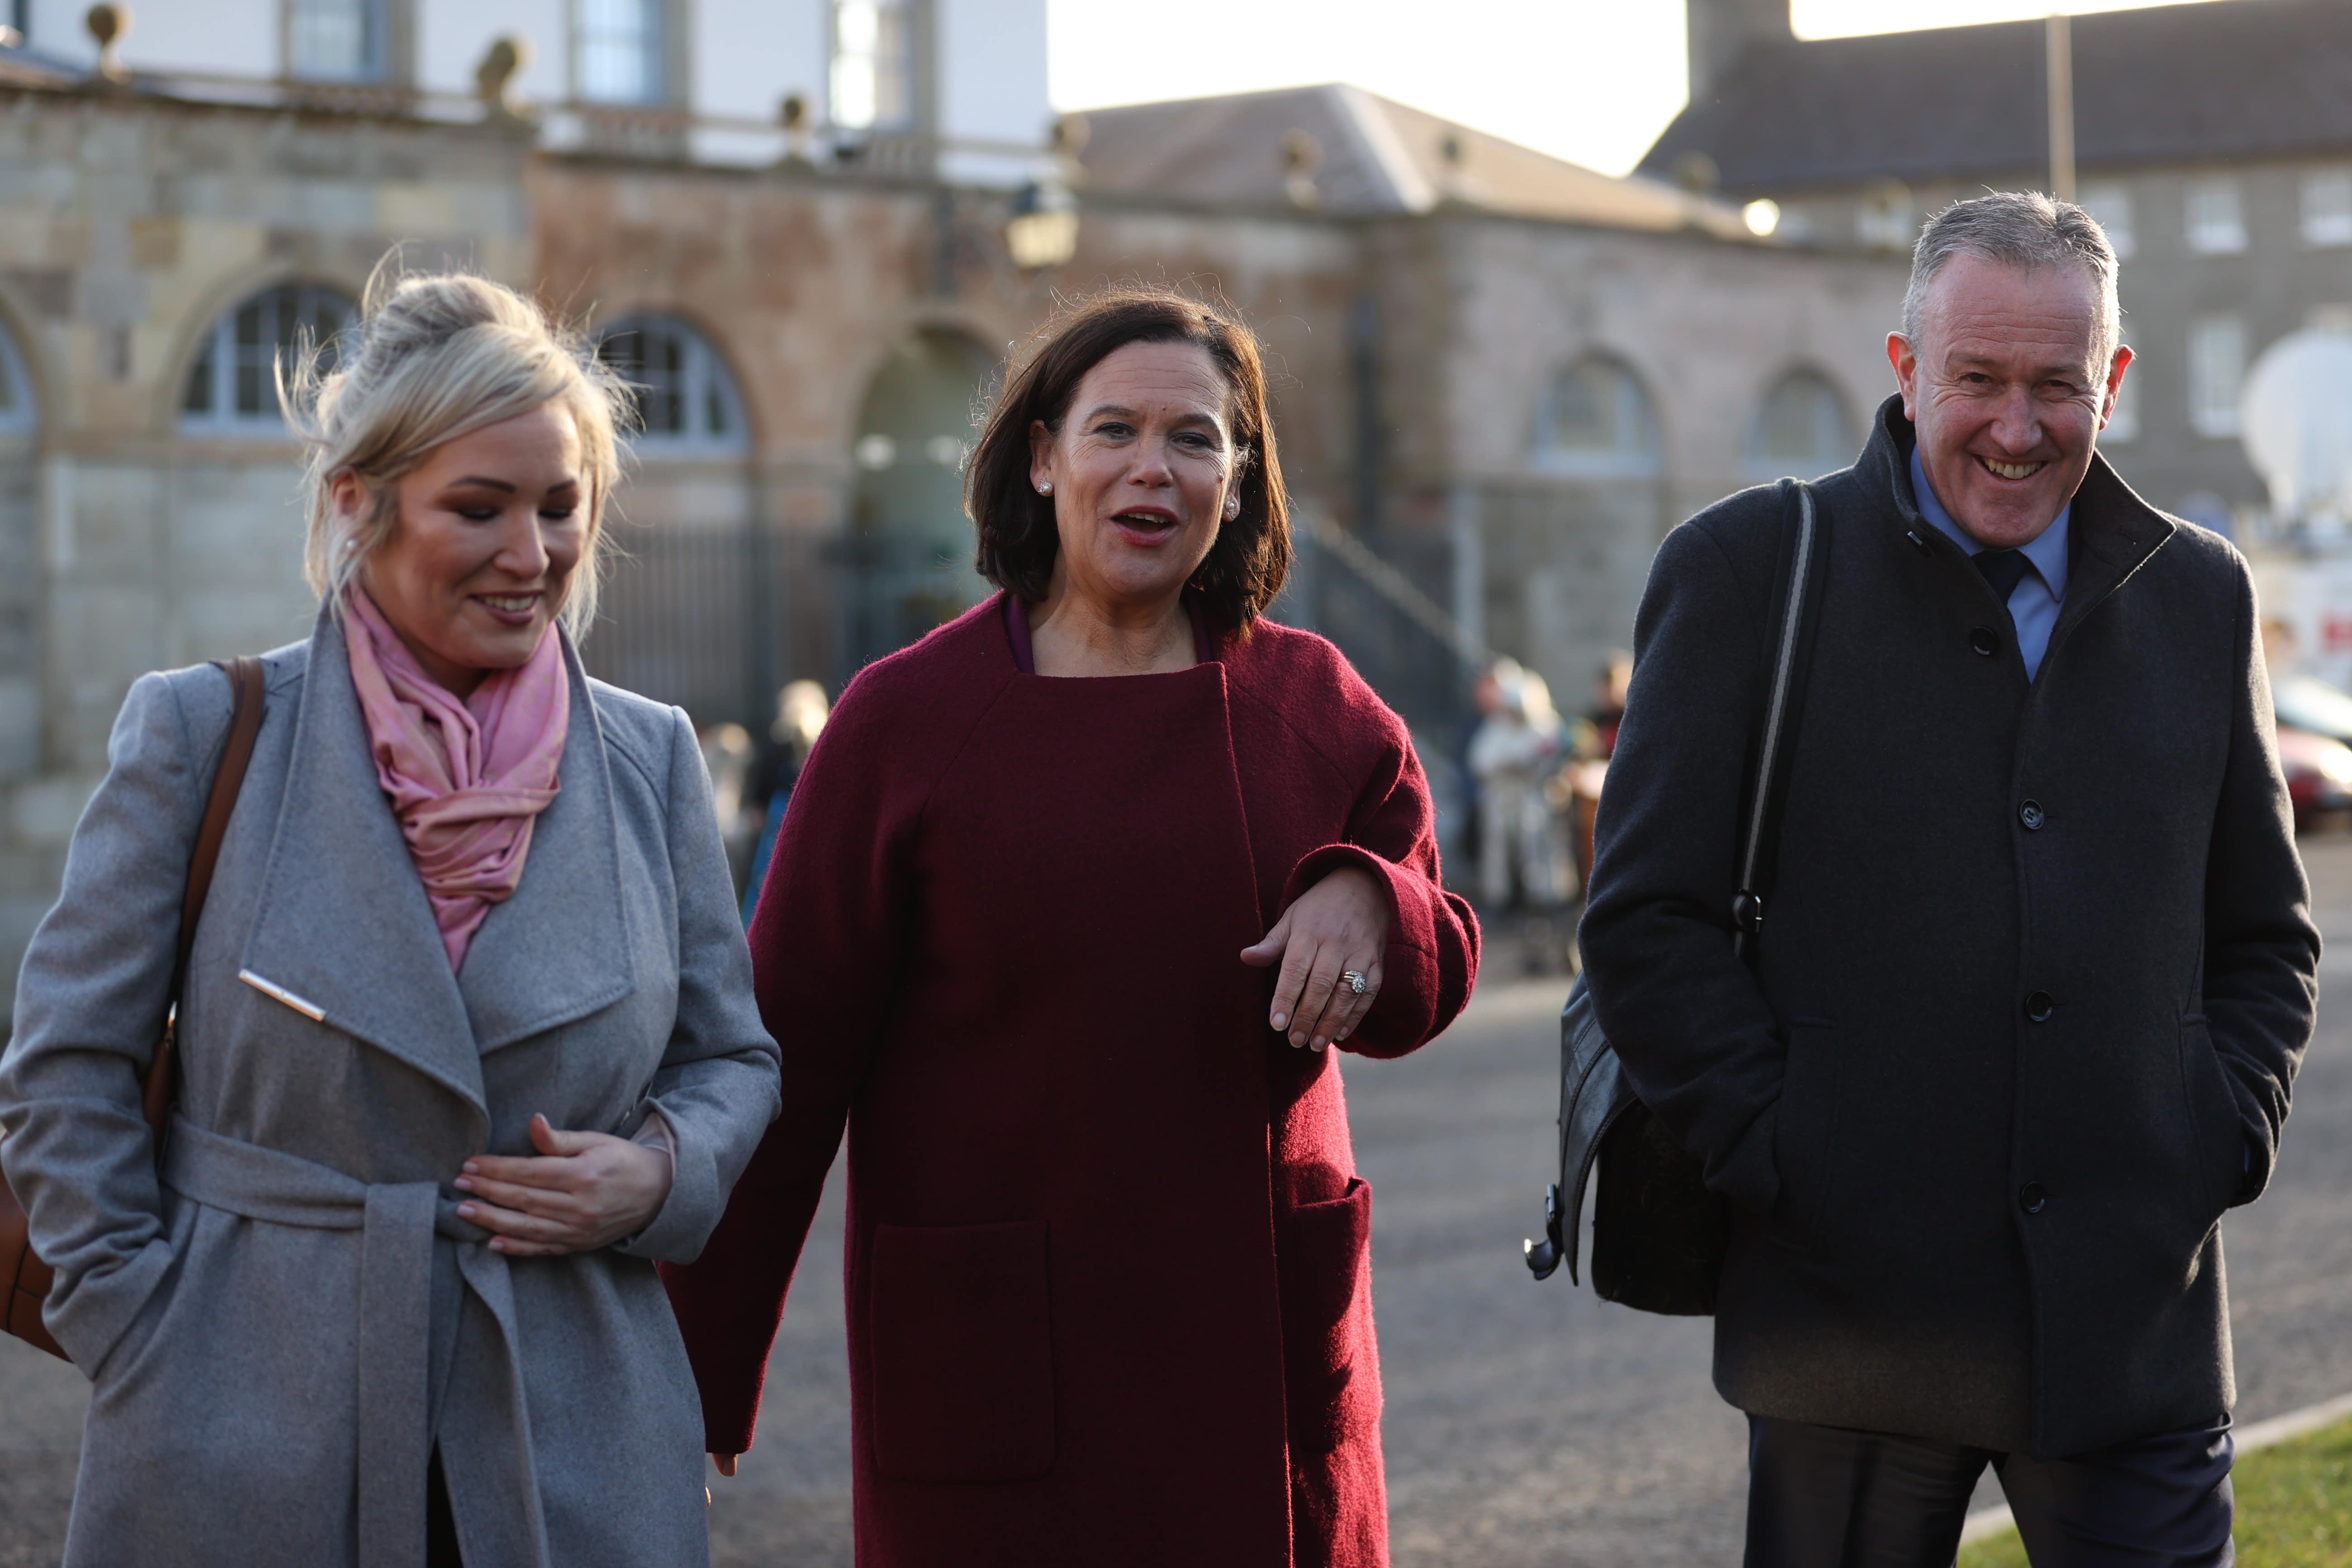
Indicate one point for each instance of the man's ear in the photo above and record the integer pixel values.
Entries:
(2115, 385)
(1906, 372)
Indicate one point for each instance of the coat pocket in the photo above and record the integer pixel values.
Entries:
(1805, 1135)
(1330, 1362)
(961, 1354)
(2219, 1137)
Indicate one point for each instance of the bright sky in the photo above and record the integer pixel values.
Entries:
(1592, 80)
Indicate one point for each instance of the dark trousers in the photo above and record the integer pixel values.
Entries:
(1821, 1497)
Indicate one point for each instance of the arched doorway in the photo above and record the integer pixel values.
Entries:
(909, 546)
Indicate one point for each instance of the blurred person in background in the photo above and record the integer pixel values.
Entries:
(801, 710)
(727, 757)
(1073, 898)
(467, 1040)
(1579, 784)
(2033, 983)
(1514, 754)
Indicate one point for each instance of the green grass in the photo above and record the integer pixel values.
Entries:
(2294, 1509)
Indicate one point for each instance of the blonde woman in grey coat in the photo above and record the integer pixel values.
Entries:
(468, 1039)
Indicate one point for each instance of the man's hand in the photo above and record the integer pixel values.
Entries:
(587, 1190)
(1339, 924)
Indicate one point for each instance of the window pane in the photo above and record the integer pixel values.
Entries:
(242, 354)
(2217, 224)
(1801, 428)
(2112, 205)
(2327, 206)
(333, 40)
(2217, 363)
(1596, 407)
(680, 385)
(873, 64)
(620, 50)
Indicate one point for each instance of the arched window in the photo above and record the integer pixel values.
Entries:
(16, 409)
(231, 386)
(1596, 417)
(1801, 430)
(685, 399)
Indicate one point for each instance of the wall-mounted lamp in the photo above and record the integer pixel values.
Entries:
(1043, 232)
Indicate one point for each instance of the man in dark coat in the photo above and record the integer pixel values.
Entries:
(2037, 970)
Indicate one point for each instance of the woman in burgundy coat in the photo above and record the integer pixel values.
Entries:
(1071, 897)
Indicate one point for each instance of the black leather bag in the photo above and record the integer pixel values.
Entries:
(1658, 1231)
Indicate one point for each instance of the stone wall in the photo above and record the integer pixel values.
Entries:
(1406, 358)
(127, 226)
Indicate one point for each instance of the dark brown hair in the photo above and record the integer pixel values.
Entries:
(1018, 540)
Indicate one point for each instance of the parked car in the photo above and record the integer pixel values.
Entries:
(2318, 774)
(2314, 706)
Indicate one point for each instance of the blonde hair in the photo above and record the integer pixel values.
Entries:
(434, 356)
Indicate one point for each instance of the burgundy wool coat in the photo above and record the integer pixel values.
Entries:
(1108, 1269)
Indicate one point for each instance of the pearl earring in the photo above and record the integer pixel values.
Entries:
(1046, 488)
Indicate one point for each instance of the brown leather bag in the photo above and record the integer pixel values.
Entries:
(24, 1277)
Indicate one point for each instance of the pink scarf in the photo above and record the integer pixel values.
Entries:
(467, 780)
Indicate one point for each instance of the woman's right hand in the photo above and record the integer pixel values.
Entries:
(725, 1462)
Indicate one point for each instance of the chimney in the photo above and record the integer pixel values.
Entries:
(1720, 31)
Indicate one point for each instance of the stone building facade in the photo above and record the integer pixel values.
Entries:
(1492, 397)
(2213, 140)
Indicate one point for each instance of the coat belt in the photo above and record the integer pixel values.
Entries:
(398, 1222)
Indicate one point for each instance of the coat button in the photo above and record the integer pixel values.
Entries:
(2031, 1198)
(1984, 642)
(2038, 1006)
(1917, 543)
(2031, 815)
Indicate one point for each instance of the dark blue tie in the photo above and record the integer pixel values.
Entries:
(2004, 569)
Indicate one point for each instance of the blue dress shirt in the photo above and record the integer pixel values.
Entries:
(2034, 603)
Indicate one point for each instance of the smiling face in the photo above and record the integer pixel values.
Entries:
(1143, 473)
(490, 526)
(2006, 393)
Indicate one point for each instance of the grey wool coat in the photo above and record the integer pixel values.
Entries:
(282, 1329)
(2034, 979)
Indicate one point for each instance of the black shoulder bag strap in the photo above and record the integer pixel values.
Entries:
(1594, 1094)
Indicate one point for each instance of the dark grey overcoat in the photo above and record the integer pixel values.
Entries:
(282, 1328)
(2035, 981)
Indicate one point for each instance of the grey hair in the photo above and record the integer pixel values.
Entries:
(2019, 228)
(434, 356)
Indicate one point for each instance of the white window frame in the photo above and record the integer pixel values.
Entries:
(2218, 357)
(592, 31)
(2327, 206)
(2214, 214)
(218, 357)
(2110, 201)
(704, 378)
(375, 53)
(1643, 460)
(867, 41)
(1838, 453)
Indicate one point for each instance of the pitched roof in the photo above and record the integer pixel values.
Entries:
(1372, 157)
(2225, 78)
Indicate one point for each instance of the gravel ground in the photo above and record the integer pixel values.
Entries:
(1526, 1423)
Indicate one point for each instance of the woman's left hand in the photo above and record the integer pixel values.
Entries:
(587, 1190)
(1340, 923)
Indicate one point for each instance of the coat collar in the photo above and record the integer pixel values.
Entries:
(2114, 532)
(345, 926)
(559, 949)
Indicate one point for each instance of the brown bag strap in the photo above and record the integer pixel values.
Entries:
(228, 779)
